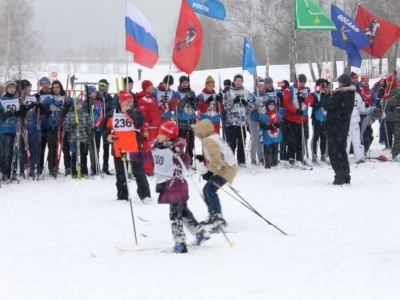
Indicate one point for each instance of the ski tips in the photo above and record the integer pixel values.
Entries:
(231, 244)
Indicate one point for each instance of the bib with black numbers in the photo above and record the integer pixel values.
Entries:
(122, 123)
(55, 108)
(164, 167)
(164, 98)
(296, 101)
(29, 100)
(211, 111)
(11, 105)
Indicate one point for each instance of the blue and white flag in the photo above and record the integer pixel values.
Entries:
(348, 36)
(210, 8)
(249, 57)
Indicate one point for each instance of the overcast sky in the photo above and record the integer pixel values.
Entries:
(72, 22)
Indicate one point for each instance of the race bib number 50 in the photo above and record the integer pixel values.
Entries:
(122, 123)
(11, 105)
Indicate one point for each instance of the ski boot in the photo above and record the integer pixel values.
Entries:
(180, 248)
(201, 237)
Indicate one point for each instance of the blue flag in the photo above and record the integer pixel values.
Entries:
(348, 36)
(210, 8)
(249, 57)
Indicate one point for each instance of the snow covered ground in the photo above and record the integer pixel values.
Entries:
(59, 238)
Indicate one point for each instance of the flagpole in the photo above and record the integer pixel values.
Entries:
(126, 66)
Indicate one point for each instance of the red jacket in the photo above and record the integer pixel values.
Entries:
(290, 109)
(203, 105)
(148, 105)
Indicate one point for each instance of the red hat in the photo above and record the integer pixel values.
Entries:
(364, 77)
(353, 75)
(169, 129)
(146, 84)
(124, 95)
(391, 80)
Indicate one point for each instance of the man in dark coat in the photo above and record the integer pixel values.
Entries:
(339, 107)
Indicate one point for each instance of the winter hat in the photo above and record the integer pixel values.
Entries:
(260, 80)
(353, 75)
(285, 85)
(130, 80)
(26, 82)
(124, 95)
(345, 79)
(227, 82)
(168, 79)
(169, 129)
(10, 83)
(44, 79)
(91, 89)
(236, 76)
(268, 80)
(302, 78)
(2, 87)
(210, 81)
(321, 81)
(79, 101)
(270, 101)
(183, 78)
(146, 84)
(391, 80)
(103, 82)
(364, 78)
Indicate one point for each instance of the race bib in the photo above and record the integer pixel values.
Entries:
(11, 105)
(29, 100)
(163, 164)
(122, 123)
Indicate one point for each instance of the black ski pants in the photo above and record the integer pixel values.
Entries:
(294, 140)
(83, 157)
(234, 134)
(319, 134)
(271, 155)
(143, 189)
(338, 155)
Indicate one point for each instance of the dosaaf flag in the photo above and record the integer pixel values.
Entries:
(382, 34)
(348, 36)
(249, 57)
(188, 40)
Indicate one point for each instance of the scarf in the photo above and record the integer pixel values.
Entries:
(366, 94)
(273, 118)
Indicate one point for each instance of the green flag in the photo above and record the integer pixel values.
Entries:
(308, 15)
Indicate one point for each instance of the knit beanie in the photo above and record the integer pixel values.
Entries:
(123, 96)
(227, 82)
(91, 89)
(364, 77)
(130, 80)
(10, 83)
(270, 101)
(44, 79)
(183, 78)
(79, 101)
(210, 81)
(302, 78)
(268, 79)
(345, 79)
(146, 84)
(169, 129)
(391, 80)
(168, 79)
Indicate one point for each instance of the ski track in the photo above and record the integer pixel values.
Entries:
(59, 238)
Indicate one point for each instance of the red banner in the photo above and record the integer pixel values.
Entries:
(188, 40)
(382, 34)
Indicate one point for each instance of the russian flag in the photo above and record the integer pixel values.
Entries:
(140, 37)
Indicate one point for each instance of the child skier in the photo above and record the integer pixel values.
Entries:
(78, 140)
(222, 168)
(171, 183)
(271, 133)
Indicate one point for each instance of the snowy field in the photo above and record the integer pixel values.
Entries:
(59, 239)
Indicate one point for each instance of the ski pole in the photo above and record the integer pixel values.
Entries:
(246, 204)
(202, 196)
(123, 158)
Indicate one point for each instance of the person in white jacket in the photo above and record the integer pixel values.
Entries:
(354, 136)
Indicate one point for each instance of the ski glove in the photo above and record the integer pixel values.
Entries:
(159, 187)
(200, 158)
(37, 96)
(226, 89)
(207, 175)
(244, 102)
(276, 125)
(366, 105)
(381, 93)
(300, 97)
(280, 97)
(299, 112)
(211, 98)
(264, 126)
(218, 97)
(236, 100)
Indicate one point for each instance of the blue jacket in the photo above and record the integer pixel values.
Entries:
(185, 110)
(54, 104)
(317, 112)
(7, 103)
(267, 137)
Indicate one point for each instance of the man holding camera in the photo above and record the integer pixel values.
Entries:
(296, 100)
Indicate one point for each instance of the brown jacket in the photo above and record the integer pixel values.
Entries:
(217, 163)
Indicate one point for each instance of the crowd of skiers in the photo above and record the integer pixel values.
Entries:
(153, 132)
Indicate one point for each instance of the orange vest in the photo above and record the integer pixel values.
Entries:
(123, 129)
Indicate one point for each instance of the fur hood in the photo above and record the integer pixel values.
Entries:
(343, 89)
